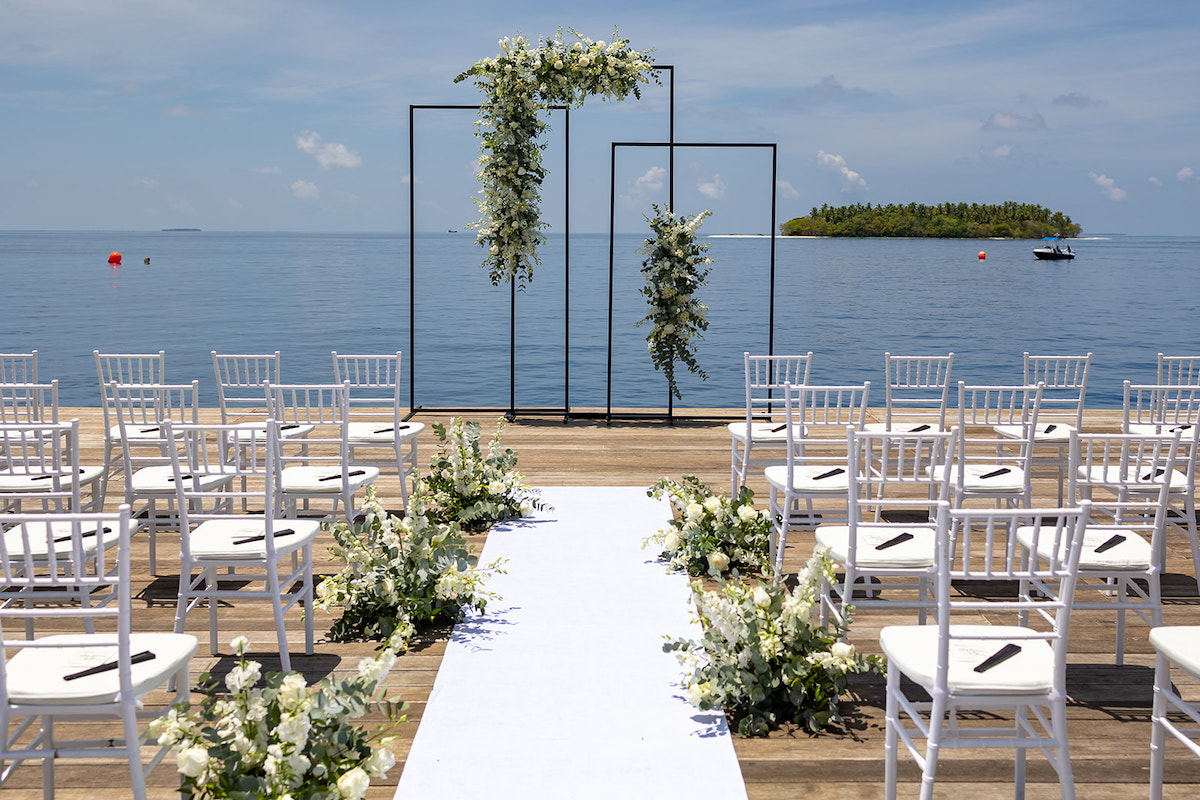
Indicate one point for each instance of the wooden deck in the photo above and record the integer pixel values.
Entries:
(1109, 711)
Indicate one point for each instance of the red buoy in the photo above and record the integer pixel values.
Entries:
(114, 258)
(982, 256)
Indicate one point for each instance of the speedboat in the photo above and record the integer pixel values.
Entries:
(1053, 252)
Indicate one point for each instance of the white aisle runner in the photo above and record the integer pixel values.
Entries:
(562, 690)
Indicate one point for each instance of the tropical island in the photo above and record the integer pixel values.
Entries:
(943, 221)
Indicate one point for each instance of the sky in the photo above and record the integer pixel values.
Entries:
(294, 115)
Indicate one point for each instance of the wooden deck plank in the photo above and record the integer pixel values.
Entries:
(1109, 713)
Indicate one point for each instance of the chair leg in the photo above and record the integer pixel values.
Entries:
(47, 737)
(1058, 721)
(937, 717)
(1162, 683)
(308, 601)
(891, 737)
(1021, 725)
(133, 751)
(211, 584)
(272, 579)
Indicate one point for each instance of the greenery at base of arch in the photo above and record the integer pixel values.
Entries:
(673, 270)
(519, 84)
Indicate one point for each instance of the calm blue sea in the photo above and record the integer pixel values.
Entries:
(1123, 298)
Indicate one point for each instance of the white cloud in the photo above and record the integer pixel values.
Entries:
(851, 180)
(1014, 122)
(304, 190)
(181, 111)
(327, 155)
(786, 189)
(148, 183)
(1003, 151)
(265, 170)
(1108, 186)
(1155, 181)
(650, 181)
(1186, 174)
(234, 204)
(714, 189)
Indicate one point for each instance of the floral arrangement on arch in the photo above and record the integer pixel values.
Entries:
(711, 534)
(283, 739)
(400, 575)
(673, 270)
(765, 658)
(519, 84)
(467, 487)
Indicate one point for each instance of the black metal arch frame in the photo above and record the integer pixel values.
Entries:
(612, 208)
(512, 411)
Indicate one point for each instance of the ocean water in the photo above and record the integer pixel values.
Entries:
(1125, 299)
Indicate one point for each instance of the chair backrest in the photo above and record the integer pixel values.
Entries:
(1178, 370)
(141, 411)
(73, 566)
(249, 462)
(980, 410)
(974, 547)
(19, 367)
(1160, 406)
(1064, 380)
(28, 402)
(817, 418)
(765, 378)
(916, 388)
(40, 466)
(126, 368)
(897, 471)
(1128, 468)
(325, 406)
(240, 378)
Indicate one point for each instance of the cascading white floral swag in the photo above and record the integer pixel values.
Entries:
(673, 274)
(519, 84)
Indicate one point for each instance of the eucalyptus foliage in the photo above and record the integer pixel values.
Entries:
(673, 270)
(711, 534)
(519, 85)
(765, 658)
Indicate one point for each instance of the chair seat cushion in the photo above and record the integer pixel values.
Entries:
(1166, 429)
(258, 431)
(913, 649)
(161, 480)
(36, 674)
(1046, 433)
(236, 538)
(58, 539)
(916, 553)
(810, 479)
(906, 426)
(1011, 481)
(1146, 480)
(136, 432)
(1131, 553)
(1181, 644)
(764, 432)
(381, 432)
(11, 481)
(325, 479)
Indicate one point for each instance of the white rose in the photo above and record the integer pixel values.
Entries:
(353, 785)
(842, 650)
(671, 542)
(762, 598)
(718, 561)
(192, 761)
(380, 762)
(558, 64)
(747, 513)
(713, 504)
(694, 511)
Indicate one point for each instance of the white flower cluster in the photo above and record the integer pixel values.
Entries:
(282, 738)
(519, 84)
(465, 486)
(765, 656)
(711, 533)
(399, 573)
(673, 270)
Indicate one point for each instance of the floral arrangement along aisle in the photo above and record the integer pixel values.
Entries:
(401, 574)
(764, 656)
(712, 534)
(283, 739)
(673, 275)
(519, 84)
(475, 491)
